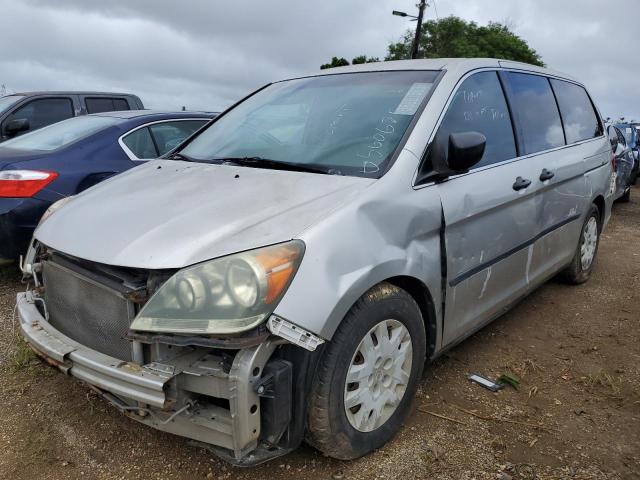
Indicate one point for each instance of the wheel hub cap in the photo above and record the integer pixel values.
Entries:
(589, 243)
(378, 375)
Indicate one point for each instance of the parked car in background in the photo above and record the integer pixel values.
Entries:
(68, 157)
(624, 164)
(25, 112)
(284, 274)
(631, 137)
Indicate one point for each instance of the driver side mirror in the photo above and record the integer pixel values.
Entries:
(14, 127)
(463, 151)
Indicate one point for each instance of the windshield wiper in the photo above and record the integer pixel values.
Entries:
(182, 156)
(259, 162)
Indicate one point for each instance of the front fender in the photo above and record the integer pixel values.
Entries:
(381, 235)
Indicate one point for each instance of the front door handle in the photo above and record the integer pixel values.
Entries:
(546, 175)
(521, 183)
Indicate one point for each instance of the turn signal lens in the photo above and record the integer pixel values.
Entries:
(24, 183)
(278, 264)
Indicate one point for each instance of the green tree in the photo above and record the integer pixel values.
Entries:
(341, 62)
(453, 37)
(364, 59)
(335, 62)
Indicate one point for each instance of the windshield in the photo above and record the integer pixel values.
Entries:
(60, 134)
(6, 102)
(347, 124)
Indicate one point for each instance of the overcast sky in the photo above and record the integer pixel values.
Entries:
(205, 54)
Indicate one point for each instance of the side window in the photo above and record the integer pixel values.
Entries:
(578, 114)
(479, 105)
(41, 113)
(120, 104)
(536, 111)
(621, 138)
(105, 104)
(141, 144)
(168, 135)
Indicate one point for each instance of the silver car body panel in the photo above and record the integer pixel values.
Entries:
(170, 214)
(358, 232)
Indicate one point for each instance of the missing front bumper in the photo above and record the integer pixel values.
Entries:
(194, 394)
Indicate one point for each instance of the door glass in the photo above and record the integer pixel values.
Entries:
(99, 105)
(479, 106)
(105, 104)
(169, 135)
(141, 144)
(578, 115)
(41, 113)
(537, 112)
(621, 140)
(120, 104)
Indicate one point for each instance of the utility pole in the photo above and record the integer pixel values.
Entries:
(416, 41)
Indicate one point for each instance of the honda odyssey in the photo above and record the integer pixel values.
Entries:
(285, 274)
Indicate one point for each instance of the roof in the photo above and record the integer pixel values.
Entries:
(460, 65)
(129, 114)
(71, 92)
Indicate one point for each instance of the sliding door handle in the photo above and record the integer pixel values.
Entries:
(521, 183)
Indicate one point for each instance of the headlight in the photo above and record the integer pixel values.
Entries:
(226, 295)
(54, 207)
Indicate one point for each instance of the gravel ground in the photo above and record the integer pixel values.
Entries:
(575, 416)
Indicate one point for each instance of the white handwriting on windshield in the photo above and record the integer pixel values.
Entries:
(374, 150)
(338, 119)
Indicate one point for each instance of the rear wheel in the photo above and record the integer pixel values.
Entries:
(585, 257)
(368, 375)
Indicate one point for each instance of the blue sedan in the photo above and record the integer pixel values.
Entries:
(66, 158)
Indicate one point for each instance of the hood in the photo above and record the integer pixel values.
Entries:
(170, 214)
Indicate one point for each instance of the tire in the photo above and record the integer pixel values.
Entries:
(626, 196)
(330, 427)
(578, 272)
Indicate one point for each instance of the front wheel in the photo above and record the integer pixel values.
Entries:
(368, 375)
(584, 259)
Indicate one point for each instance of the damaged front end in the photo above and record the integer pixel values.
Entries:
(242, 395)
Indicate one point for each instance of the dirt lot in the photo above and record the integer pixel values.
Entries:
(575, 416)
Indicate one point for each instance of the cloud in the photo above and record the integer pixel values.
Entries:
(206, 54)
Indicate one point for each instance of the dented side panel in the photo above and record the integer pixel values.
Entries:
(389, 231)
(487, 227)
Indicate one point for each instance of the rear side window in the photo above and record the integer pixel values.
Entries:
(141, 144)
(536, 111)
(120, 104)
(578, 115)
(479, 105)
(105, 104)
(169, 135)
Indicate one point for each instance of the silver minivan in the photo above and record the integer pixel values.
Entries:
(285, 274)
